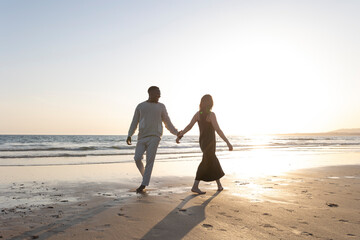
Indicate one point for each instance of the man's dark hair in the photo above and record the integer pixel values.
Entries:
(152, 88)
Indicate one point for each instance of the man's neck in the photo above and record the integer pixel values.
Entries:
(152, 101)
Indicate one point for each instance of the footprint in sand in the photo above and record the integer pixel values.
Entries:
(207, 226)
(343, 220)
(306, 234)
(122, 215)
(266, 214)
(240, 183)
(332, 204)
(224, 214)
(266, 225)
(351, 235)
(101, 228)
(304, 223)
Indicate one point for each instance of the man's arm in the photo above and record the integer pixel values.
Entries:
(133, 125)
(168, 124)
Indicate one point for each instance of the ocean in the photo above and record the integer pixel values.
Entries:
(38, 150)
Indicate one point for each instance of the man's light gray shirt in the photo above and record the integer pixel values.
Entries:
(149, 116)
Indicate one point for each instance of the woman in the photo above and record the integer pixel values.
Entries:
(209, 168)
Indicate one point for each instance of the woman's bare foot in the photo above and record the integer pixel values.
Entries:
(220, 188)
(197, 190)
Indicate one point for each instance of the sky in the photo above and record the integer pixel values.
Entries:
(81, 67)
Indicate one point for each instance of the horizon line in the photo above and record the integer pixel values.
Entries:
(356, 131)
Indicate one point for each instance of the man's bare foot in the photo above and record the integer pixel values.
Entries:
(140, 189)
(220, 189)
(197, 190)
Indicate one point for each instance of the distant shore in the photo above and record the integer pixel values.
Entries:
(321, 134)
(339, 132)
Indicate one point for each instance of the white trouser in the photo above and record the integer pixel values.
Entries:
(150, 145)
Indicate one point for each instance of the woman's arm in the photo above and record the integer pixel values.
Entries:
(215, 125)
(191, 124)
(188, 127)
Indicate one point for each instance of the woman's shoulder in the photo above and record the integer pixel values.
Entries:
(212, 115)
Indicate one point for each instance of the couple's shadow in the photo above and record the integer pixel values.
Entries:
(179, 221)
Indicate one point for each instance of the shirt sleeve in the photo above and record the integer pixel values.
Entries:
(168, 124)
(134, 122)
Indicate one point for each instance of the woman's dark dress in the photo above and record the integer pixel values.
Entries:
(209, 168)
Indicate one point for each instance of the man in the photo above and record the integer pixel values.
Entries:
(149, 115)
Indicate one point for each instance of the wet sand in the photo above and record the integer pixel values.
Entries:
(318, 203)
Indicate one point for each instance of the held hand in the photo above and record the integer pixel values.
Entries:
(179, 136)
(128, 140)
(230, 147)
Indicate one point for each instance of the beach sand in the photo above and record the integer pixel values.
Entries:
(318, 203)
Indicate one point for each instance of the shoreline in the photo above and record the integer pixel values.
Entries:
(300, 204)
